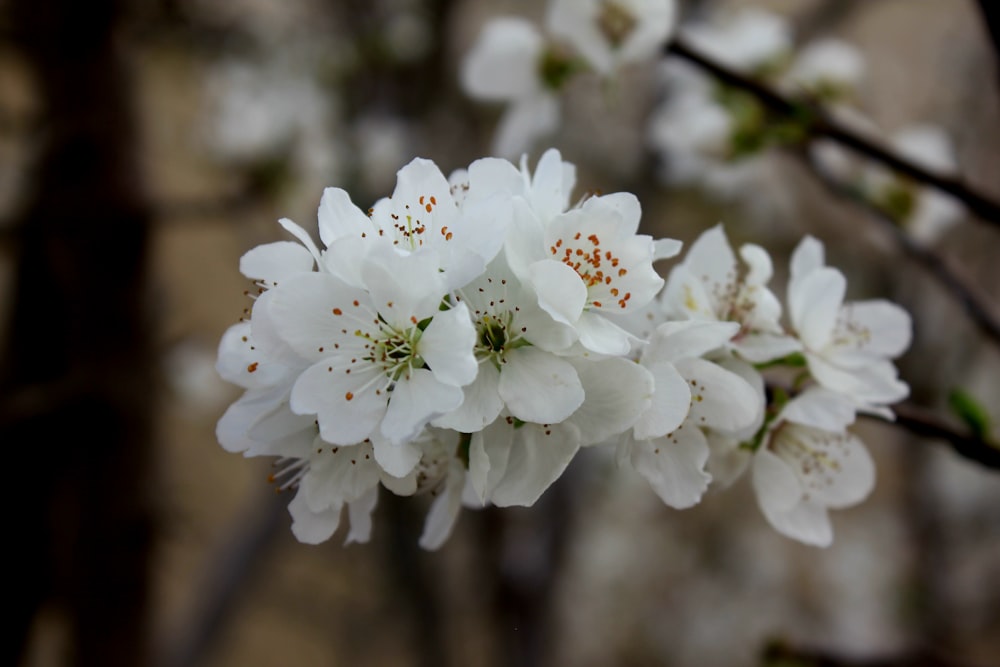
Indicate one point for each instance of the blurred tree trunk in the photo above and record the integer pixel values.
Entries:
(76, 375)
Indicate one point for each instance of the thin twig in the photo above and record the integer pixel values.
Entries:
(923, 422)
(822, 125)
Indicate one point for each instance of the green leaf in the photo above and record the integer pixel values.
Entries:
(970, 411)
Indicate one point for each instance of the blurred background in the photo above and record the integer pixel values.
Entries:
(146, 145)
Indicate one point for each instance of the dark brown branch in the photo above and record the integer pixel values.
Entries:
(820, 124)
(923, 422)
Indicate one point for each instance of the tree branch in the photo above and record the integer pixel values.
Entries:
(923, 422)
(822, 125)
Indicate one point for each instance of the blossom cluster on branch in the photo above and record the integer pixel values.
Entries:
(467, 336)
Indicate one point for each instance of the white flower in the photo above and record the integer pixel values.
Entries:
(710, 285)
(420, 215)
(848, 346)
(830, 68)
(666, 445)
(747, 39)
(589, 263)
(506, 65)
(376, 361)
(689, 128)
(612, 33)
(925, 213)
(808, 463)
(514, 344)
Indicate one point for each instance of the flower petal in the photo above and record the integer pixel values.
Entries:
(674, 465)
(778, 489)
(311, 527)
(339, 217)
(720, 399)
(444, 511)
(560, 291)
(538, 457)
(670, 405)
(814, 305)
(538, 386)
(360, 514)
(416, 400)
(618, 392)
(447, 345)
(273, 262)
(481, 403)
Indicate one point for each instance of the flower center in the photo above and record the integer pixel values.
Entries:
(599, 269)
(615, 22)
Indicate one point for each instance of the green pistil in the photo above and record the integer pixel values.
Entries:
(493, 336)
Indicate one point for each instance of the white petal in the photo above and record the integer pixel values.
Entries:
(888, 329)
(525, 242)
(759, 262)
(712, 260)
(820, 408)
(489, 454)
(303, 236)
(670, 406)
(666, 248)
(360, 514)
(834, 469)
(416, 400)
(686, 339)
(760, 348)
(618, 392)
(675, 466)
(778, 489)
(240, 363)
(396, 459)
(538, 386)
(551, 186)
(538, 457)
(622, 206)
(305, 309)
(447, 345)
(814, 304)
(727, 461)
(807, 257)
(599, 334)
(870, 385)
(312, 527)
(346, 414)
(273, 262)
(404, 286)
(807, 522)
(720, 399)
(339, 217)
(444, 511)
(345, 256)
(481, 403)
(503, 63)
(561, 292)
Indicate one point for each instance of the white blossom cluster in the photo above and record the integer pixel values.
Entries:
(517, 63)
(467, 336)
